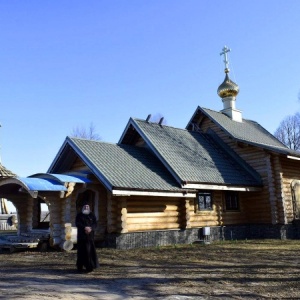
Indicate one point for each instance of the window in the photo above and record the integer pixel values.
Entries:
(41, 214)
(296, 198)
(232, 201)
(204, 201)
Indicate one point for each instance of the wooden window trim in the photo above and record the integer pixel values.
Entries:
(206, 194)
(236, 206)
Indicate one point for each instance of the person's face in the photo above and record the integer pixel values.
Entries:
(86, 209)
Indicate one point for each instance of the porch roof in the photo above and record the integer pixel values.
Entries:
(42, 182)
(80, 178)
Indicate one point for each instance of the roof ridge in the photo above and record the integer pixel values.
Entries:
(161, 125)
(219, 112)
(275, 144)
(91, 141)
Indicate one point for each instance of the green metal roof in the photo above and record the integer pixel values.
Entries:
(248, 131)
(196, 157)
(124, 166)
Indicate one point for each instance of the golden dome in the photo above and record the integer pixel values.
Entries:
(228, 88)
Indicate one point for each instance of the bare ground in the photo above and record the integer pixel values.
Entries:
(266, 269)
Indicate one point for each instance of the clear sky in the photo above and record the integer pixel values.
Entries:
(67, 63)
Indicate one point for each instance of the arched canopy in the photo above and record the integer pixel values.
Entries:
(41, 182)
(62, 178)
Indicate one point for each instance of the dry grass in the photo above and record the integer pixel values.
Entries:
(264, 269)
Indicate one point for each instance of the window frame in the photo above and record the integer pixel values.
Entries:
(206, 207)
(229, 198)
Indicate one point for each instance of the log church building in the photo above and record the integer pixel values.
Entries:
(222, 177)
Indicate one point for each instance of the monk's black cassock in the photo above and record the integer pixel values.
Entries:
(86, 250)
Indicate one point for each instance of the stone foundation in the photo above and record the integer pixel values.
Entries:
(195, 235)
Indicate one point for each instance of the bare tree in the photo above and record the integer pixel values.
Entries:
(89, 134)
(159, 118)
(288, 132)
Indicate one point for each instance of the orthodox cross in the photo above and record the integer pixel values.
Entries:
(224, 52)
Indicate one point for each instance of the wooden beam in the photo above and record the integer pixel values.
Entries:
(196, 186)
(293, 157)
(157, 194)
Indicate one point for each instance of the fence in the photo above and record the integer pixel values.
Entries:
(3, 222)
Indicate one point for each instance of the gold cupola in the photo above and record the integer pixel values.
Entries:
(228, 90)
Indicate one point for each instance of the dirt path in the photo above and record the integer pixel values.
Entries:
(236, 270)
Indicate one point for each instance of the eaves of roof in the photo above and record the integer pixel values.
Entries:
(248, 132)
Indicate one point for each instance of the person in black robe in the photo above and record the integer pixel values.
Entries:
(86, 251)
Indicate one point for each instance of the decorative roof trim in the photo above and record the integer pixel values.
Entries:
(221, 187)
(293, 157)
(157, 194)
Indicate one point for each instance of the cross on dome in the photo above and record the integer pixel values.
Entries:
(228, 88)
(228, 91)
(224, 52)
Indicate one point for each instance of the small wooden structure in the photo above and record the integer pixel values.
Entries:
(28, 194)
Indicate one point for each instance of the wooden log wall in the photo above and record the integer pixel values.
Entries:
(272, 190)
(290, 172)
(79, 165)
(157, 213)
(73, 210)
(65, 223)
(218, 216)
(206, 217)
(129, 214)
(279, 186)
(55, 206)
(24, 208)
(186, 213)
(261, 205)
(102, 213)
(256, 211)
(122, 206)
(111, 214)
(36, 213)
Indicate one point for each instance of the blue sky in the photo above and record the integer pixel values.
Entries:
(65, 64)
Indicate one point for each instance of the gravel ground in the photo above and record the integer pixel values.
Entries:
(267, 269)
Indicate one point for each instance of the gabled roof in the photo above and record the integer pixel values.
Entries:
(119, 166)
(247, 131)
(193, 157)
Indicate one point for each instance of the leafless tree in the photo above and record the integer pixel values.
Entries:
(288, 132)
(89, 134)
(158, 118)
